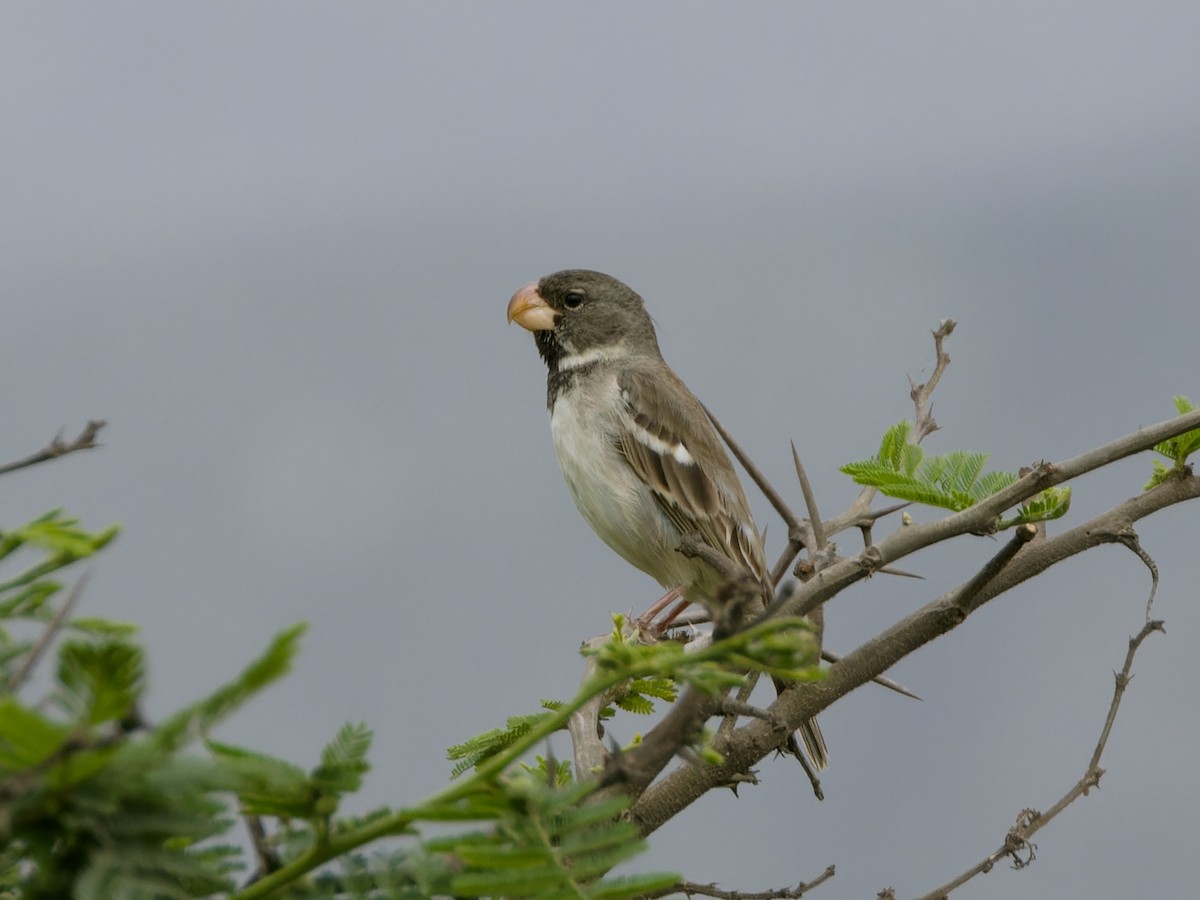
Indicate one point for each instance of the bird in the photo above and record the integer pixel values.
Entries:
(640, 458)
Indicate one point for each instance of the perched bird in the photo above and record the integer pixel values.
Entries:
(642, 461)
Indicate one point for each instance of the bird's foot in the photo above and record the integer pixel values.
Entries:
(650, 624)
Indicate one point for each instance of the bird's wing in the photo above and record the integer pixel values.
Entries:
(671, 446)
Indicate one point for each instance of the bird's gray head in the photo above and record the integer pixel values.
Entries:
(578, 316)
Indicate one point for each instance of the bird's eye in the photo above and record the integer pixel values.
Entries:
(573, 300)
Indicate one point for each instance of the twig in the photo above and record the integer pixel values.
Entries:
(981, 517)
(1129, 539)
(881, 680)
(967, 594)
(701, 617)
(921, 393)
(693, 546)
(35, 652)
(859, 514)
(752, 742)
(790, 552)
(587, 737)
(1017, 845)
(58, 447)
(694, 889)
(732, 706)
(632, 770)
(268, 859)
(810, 500)
(785, 512)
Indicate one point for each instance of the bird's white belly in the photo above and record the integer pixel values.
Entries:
(607, 493)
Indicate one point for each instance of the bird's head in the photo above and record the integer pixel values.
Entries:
(578, 316)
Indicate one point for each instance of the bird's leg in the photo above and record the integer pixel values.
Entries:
(645, 622)
(672, 614)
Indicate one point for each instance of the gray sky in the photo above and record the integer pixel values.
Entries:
(272, 244)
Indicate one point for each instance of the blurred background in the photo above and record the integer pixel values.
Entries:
(272, 245)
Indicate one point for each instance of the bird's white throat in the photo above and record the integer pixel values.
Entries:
(610, 353)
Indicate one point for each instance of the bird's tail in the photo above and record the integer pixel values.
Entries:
(813, 741)
(814, 744)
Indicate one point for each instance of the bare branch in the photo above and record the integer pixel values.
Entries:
(785, 512)
(810, 500)
(790, 552)
(700, 617)
(1022, 535)
(632, 770)
(922, 393)
(1017, 845)
(859, 514)
(268, 859)
(58, 447)
(754, 740)
(35, 652)
(692, 888)
(881, 680)
(587, 737)
(981, 518)
(693, 546)
(1130, 540)
(732, 706)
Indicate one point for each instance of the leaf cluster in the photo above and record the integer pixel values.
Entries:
(96, 802)
(545, 841)
(953, 481)
(635, 674)
(1176, 449)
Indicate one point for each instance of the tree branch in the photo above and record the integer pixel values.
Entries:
(695, 889)
(922, 393)
(756, 739)
(982, 517)
(1017, 844)
(58, 447)
(35, 652)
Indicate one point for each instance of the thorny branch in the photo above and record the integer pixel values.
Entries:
(48, 634)
(694, 889)
(58, 447)
(754, 740)
(1017, 844)
(921, 393)
(656, 800)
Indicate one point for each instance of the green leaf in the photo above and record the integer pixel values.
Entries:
(62, 541)
(146, 874)
(344, 759)
(102, 627)
(636, 703)
(265, 785)
(100, 682)
(30, 601)
(1176, 449)
(200, 717)
(660, 688)
(472, 752)
(27, 738)
(546, 843)
(1051, 503)
(629, 886)
(60, 535)
(953, 481)
(894, 447)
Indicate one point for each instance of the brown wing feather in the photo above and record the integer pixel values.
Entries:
(691, 477)
(703, 495)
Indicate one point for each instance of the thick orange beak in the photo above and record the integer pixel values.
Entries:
(529, 310)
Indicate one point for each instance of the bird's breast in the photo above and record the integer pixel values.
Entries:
(586, 423)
